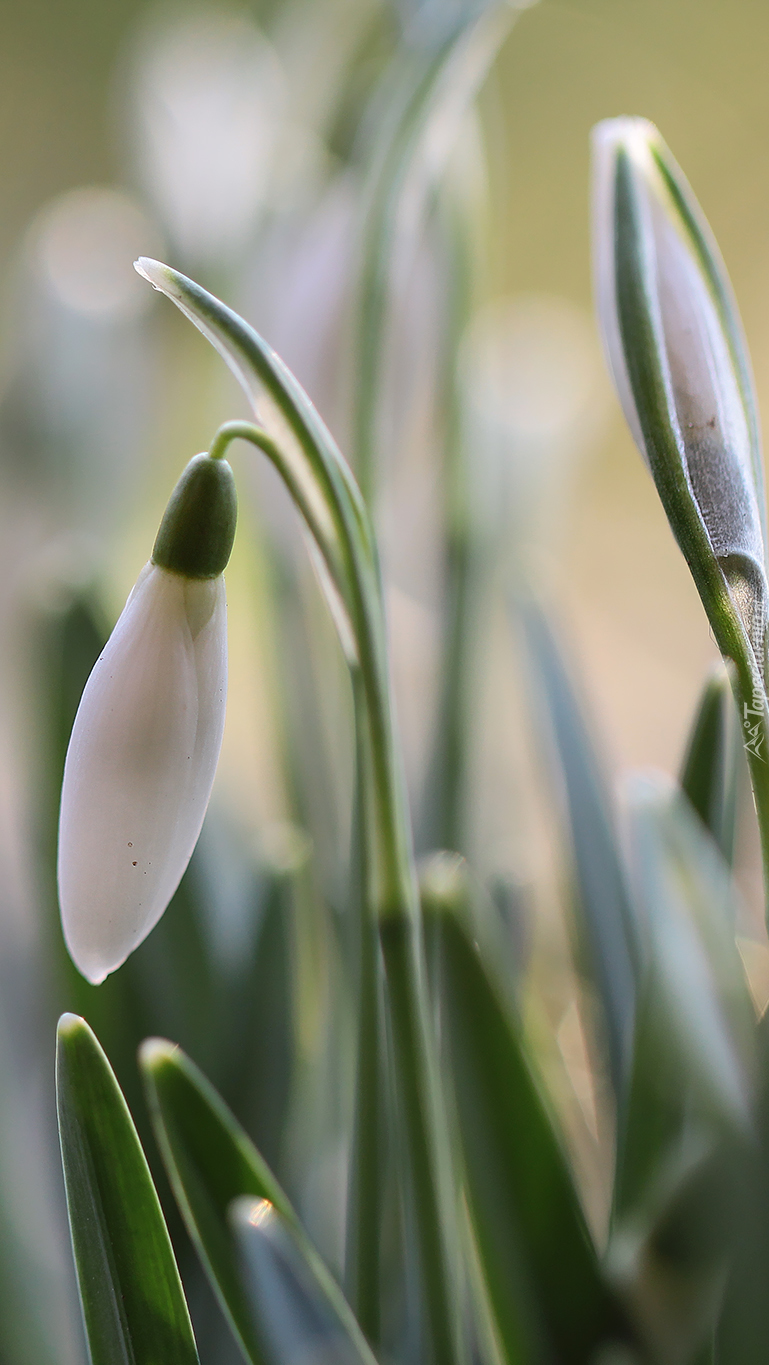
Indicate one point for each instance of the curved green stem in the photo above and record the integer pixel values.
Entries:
(394, 874)
(326, 494)
(393, 895)
(749, 687)
(366, 1182)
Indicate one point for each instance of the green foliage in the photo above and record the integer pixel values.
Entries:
(211, 1164)
(296, 1313)
(711, 765)
(364, 1095)
(133, 1304)
(544, 1281)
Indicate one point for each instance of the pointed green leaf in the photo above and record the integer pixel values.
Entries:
(308, 459)
(211, 1162)
(696, 1041)
(341, 537)
(542, 1271)
(671, 1258)
(295, 1319)
(709, 774)
(602, 896)
(327, 497)
(133, 1304)
(743, 1328)
(684, 1141)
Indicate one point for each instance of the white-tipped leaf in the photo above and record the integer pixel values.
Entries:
(140, 765)
(308, 459)
(677, 355)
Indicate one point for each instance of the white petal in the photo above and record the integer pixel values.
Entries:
(140, 766)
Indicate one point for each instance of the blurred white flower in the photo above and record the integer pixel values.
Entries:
(147, 735)
(83, 244)
(70, 425)
(535, 403)
(209, 101)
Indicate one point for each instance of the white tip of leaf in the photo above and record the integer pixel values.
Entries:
(607, 138)
(154, 271)
(140, 766)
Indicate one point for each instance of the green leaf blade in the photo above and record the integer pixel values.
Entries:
(295, 1318)
(686, 1145)
(133, 1303)
(606, 915)
(544, 1279)
(709, 771)
(211, 1162)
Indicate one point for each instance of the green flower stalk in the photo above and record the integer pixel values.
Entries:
(677, 354)
(325, 494)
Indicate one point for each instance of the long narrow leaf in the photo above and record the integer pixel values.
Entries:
(603, 899)
(314, 469)
(694, 1042)
(295, 1318)
(211, 1162)
(543, 1275)
(133, 1304)
(709, 773)
(685, 1145)
(742, 1334)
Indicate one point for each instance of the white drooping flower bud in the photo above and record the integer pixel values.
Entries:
(148, 731)
(677, 355)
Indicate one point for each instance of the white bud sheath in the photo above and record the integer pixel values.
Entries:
(677, 354)
(707, 406)
(140, 765)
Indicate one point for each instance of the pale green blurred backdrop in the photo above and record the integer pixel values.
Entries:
(697, 69)
(606, 562)
(100, 409)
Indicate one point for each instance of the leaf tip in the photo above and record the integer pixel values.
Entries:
(155, 1053)
(255, 1213)
(443, 883)
(155, 272)
(69, 1026)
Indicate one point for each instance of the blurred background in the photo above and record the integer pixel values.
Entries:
(236, 142)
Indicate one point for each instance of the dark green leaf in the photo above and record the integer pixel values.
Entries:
(308, 458)
(602, 895)
(211, 1162)
(133, 1304)
(294, 1317)
(709, 774)
(743, 1328)
(685, 1141)
(543, 1276)
(694, 1052)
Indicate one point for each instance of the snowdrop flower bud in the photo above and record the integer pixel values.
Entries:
(675, 348)
(148, 731)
